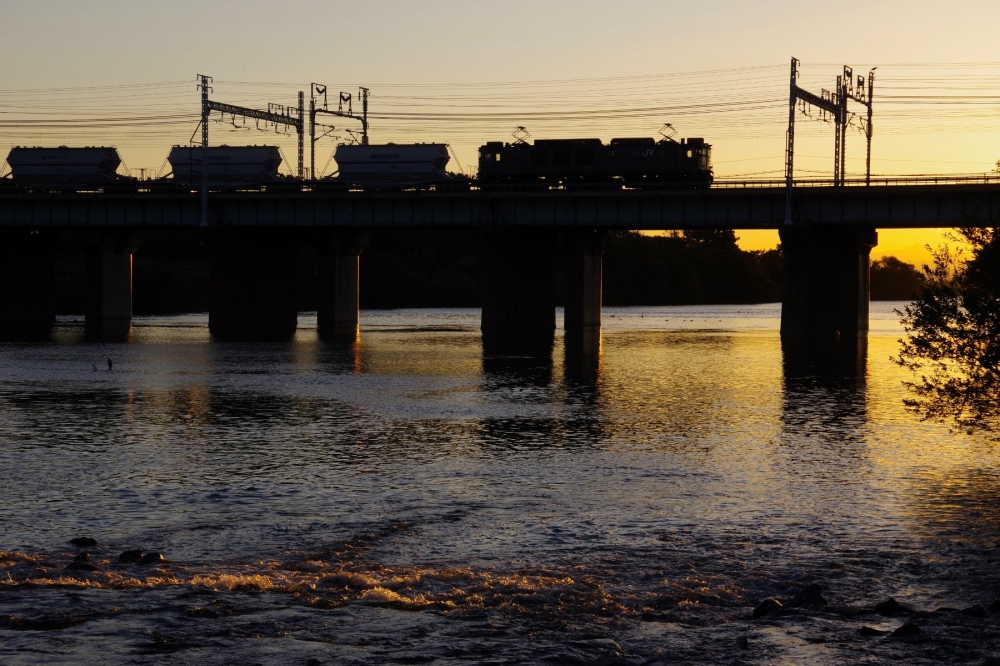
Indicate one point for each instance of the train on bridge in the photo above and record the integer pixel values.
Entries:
(634, 163)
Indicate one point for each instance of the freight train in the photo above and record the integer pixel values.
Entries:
(552, 163)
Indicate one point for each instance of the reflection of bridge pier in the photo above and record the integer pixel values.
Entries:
(825, 395)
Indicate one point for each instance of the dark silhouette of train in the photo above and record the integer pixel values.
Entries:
(66, 169)
(551, 163)
(632, 162)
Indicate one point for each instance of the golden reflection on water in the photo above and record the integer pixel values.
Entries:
(729, 401)
(688, 468)
(704, 384)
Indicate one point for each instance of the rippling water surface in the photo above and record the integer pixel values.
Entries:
(406, 501)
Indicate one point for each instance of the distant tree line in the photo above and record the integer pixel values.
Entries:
(417, 268)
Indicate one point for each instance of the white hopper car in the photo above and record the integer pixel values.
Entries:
(390, 164)
(227, 165)
(63, 166)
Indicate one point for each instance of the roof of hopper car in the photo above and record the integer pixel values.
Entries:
(390, 151)
(24, 156)
(226, 146)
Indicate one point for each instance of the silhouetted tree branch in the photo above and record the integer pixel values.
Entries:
(953, 336)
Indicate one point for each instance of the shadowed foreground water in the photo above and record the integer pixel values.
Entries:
(405, 501)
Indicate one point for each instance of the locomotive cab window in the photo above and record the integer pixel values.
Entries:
(689, 153)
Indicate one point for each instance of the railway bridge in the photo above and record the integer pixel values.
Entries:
(253, 236)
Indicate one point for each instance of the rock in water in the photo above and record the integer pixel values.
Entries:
(870, 631)
(81, 563)
(130, 557)
(974, 611)
(151, 558)
(890, 607)
(810, 595)
(614, 660)
(766, 607)
(907, 630)
(83, 542)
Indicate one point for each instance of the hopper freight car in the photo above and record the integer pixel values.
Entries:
(631, 162)
(394, 166)
(63, 167)
(228, 166)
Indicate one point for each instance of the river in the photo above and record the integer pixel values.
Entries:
(404, 501)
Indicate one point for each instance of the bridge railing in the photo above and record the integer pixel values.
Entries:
(886, 181)
(167, 187)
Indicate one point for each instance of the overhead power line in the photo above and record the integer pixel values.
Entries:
(729, 107)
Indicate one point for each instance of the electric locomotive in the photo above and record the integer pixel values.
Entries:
(626, 162)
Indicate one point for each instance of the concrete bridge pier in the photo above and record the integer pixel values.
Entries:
(519, 316)
(584, 275)
(108, 282)
(27, 309)
(337, 314)
(825, 305)
(252, 284)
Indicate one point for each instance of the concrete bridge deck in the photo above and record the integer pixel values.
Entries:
(886, 203)
(254, 236)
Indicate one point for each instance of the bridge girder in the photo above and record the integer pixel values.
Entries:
(739, 208)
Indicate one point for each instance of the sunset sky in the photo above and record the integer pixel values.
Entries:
(463, 72)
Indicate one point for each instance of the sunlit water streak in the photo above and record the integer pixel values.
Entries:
(404, 500)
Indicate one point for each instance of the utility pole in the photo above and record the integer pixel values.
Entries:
(312, 135)
(835, 104)
(790, 141)
(204, 85)
(861, 92)
(300, 133)
(363, 95)
(316, 106)
(344, 110)
(868, 126)
(840, 138)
